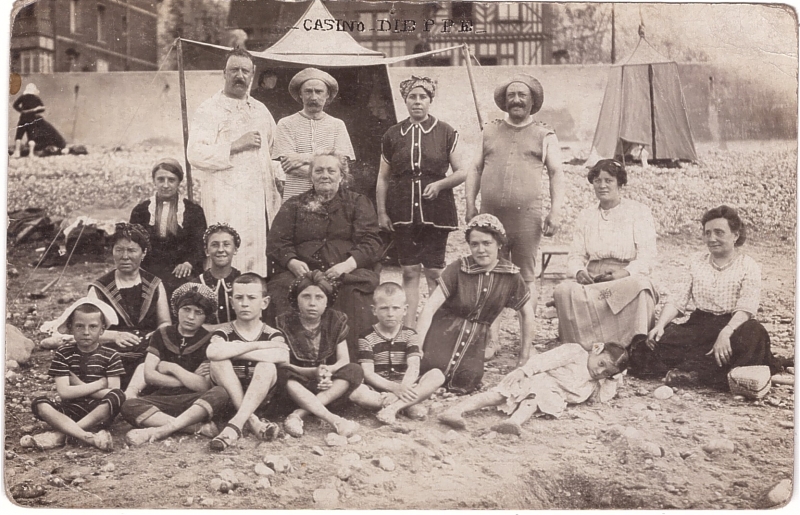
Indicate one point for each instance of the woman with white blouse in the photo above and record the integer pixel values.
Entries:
(722, 332)
(613, 249)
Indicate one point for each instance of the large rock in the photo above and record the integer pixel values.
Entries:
(780, 493)
(18, 346)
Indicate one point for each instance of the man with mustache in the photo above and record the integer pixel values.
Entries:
(229, 146)
(508, 174)
(309, 131)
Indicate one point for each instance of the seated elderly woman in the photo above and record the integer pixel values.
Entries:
(138, 298)
(319, 371)
(722, 332)
(613, 248)
(332, 229)
(175, 226)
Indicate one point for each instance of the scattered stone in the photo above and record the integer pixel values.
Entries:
(207, 503)
(741, 484)
(399, 428)
(279, 464)
(11, 376)
(263, 483)
(650, 448)
(11, 364)
(354, 439)
(29, 324)
(632, 433)
(787, 424)
(780, 493)
(10, 455)
(451, 436)
(447, 460)
(218, 485)
(188, 501)
(491, 435)
(326, 497)
(56, 481)
(108, 467)
(719, 446)
(228, 462)
(77, 472)
(386, 463)
(230, 476)
(28, 428)
(344, 473)
(317, 450)
(263, 470)
(670, 488)
(663, 393)
(351, 459)
(18, 346)
(335, 440)
(642, 392)
(78, 481)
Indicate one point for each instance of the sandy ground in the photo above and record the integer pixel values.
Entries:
(589, 458)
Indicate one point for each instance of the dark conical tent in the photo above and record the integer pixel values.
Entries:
(643, 105)
(365, 101)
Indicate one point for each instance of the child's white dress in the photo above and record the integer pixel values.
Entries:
(554, 379)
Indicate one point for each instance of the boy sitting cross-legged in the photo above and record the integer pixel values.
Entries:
(243, 356)
(87, 376)
(390, 356)
(184, 399)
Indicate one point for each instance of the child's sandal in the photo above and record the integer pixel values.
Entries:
(222, 441)
(270, 431)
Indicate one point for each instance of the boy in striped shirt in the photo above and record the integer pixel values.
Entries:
(87, 377)
(390, 355)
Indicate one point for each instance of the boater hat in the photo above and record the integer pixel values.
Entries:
(312, 73)
(534, 85)
(108, 312)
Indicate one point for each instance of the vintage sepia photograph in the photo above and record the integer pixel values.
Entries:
(221, 290)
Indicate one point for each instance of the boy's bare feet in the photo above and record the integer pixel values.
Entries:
(508, 427)
(387, 416)
(49, 440)
(102, 440)
(293, 425)
(209, 429)
(453, 419)
(136, 437)
(346, 427)
(416, 412)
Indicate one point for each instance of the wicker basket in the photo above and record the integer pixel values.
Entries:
(751, 382)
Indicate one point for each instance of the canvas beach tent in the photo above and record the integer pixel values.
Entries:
(365, 102)
(643, 105)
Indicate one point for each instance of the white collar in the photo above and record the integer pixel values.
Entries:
(152, 210)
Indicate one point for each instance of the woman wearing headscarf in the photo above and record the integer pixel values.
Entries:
(41, 135)
(421, 210)
(613, 249)
(175, 225)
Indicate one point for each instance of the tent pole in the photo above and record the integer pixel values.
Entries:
(185, 121)
(652, 109)
(465, 49)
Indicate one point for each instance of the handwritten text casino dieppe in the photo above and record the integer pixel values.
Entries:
(388, 25)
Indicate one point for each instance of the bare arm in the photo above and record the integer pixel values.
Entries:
(435, 301)
(526, 328)
(162, 307)
(473, 186)
(156, 377)
(113, 384)
(374, 379)
(67, 390)
(556, 174)
(187, 378)
(381, 188)
(268, 351)
(342, 356)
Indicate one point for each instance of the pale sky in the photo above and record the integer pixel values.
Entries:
(760, 40)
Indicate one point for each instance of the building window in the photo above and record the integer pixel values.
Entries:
(101, 65)
(392, 48)
(72, 59)
(35, 61)
(74, 20)
(101, 21)
(508, 12)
